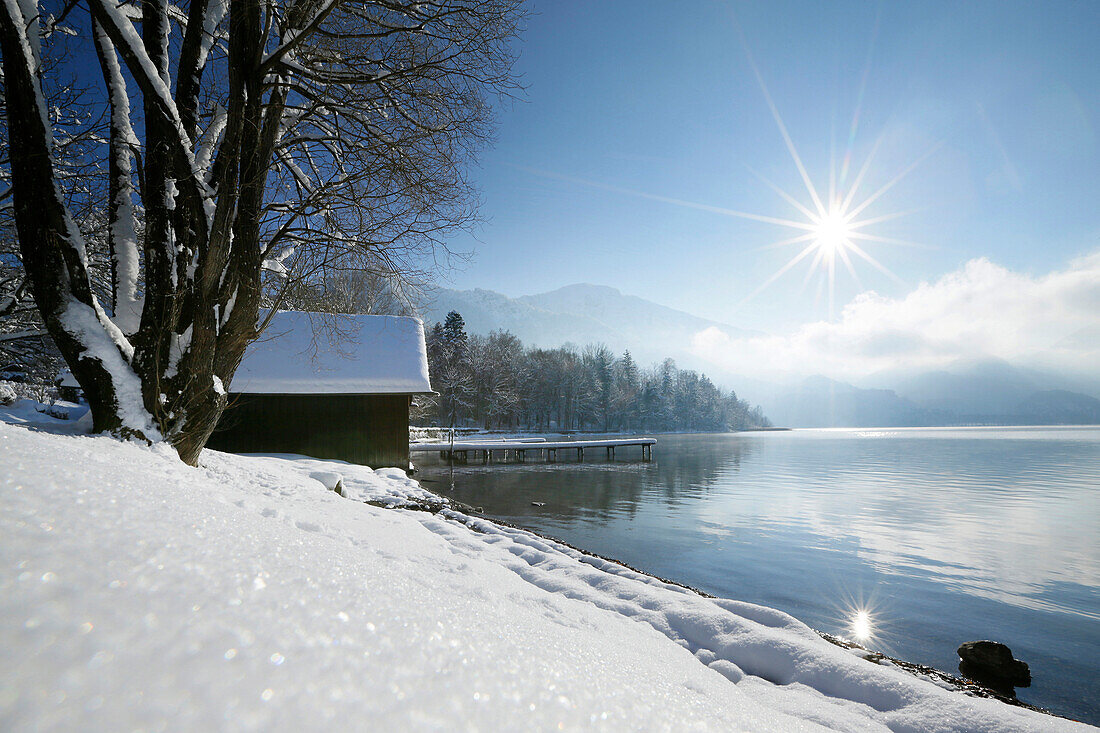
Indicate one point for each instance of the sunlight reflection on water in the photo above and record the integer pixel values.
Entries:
(862, 629)
(941, 535)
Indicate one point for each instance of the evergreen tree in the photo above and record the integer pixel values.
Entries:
(454, 332)
(454, 381)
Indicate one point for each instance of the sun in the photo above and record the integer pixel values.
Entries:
(832, 224)
(832, 233)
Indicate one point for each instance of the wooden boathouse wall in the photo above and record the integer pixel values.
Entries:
(371, 430)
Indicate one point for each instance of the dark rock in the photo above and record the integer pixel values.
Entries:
(990, 663)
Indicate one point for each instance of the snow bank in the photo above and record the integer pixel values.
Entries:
(375, 355)
(138, 592)
(66, 417)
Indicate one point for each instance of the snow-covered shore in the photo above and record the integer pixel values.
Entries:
(137, 592)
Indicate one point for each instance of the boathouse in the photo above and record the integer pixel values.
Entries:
(348, 400)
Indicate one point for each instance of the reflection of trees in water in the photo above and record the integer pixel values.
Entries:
(684, 467)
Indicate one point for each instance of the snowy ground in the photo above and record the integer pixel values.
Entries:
(139, 593)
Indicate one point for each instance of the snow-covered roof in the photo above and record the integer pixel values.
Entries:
(374, 355)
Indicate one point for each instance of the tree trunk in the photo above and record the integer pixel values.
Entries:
(53, 250)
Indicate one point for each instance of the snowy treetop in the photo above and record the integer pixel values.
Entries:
(371, 355)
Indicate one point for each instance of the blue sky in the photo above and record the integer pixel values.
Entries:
(660, 98)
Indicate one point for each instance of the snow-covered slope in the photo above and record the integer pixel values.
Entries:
(136, 592)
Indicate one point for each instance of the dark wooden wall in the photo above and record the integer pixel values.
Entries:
(372, 430)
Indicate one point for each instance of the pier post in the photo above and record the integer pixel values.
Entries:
(580, 454)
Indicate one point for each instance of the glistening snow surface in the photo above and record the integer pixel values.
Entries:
(136, 592)
(373, 355)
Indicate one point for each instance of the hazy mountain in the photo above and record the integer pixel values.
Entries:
(985, 387)
(1057, 406)
(818, 402)
(994, 391)
(633, 317)
(581, 314)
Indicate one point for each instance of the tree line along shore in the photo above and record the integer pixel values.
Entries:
(497, 382)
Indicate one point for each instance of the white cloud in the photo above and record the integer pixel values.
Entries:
(979, 311)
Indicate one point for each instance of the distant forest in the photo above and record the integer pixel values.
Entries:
(495, 381)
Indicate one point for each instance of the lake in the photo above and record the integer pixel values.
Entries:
(941, 535)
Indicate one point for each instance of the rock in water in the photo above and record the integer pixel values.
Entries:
(990, 663)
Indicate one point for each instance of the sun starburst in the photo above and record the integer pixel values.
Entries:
(831, 232)
(831, 225)
(831, 228)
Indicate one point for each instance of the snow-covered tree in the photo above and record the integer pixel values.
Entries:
(449, 366)
(627, 390)
(600, 364)
(265, 141)
(495, 381)
(78, 128)
(370, 292)
(496, 364)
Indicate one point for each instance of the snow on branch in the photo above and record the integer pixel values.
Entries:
(122, 32)
(209, 140)
(275, 264)
(294, 36)
(24, 15)
(123, 221)
(215, 12)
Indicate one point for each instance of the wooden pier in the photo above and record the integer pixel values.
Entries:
(462, 451)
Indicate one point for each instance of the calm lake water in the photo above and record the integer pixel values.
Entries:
(941, 535)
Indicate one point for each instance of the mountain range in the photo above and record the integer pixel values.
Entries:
(819, 402)
(988, 392)
(581, 314)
